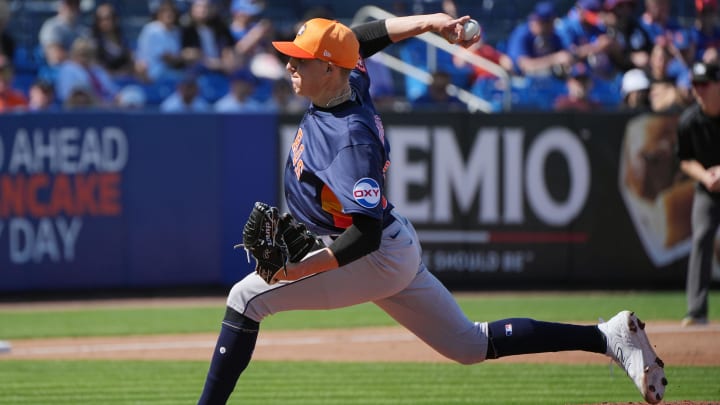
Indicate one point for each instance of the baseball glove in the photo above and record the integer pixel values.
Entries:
(260, 239)
(298, 241)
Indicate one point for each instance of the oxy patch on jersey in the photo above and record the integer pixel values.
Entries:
(367, 192)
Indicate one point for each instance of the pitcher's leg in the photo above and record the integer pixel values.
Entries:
(428, 310)
(232, 353)
(358, 282)
(513, 336)
(251, 300)
(372, 277)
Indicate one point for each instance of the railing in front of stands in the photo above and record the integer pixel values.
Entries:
(434, 42)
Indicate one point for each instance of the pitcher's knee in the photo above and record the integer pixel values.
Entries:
(469, 353)
(243, 298)
(468, 358)
(468, 347)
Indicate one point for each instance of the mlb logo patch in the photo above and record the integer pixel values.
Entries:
(508, 329)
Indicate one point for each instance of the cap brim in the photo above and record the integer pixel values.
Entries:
(290, 49)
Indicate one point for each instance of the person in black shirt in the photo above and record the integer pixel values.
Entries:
(698, 149)
(206, 40)
(113, 51)
(632, 44)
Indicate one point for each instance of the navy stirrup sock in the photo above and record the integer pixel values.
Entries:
(512, 336)
(232, 354)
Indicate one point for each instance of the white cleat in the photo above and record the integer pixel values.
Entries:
(629, 347)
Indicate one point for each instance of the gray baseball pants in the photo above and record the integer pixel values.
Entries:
(705, 222)
(394, 278)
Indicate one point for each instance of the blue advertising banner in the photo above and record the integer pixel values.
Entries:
(137, 200)
(115, 200)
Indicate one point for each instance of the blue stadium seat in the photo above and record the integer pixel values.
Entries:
(213, 86)
(607, 91)
(158, 91)
(544, 90)
(25, 61)
(22, 81)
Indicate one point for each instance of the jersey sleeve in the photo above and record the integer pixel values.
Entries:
(355, 178)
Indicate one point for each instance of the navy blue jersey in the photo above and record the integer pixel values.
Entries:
(337, 163)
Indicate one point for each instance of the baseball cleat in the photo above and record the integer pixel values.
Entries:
(629, 347)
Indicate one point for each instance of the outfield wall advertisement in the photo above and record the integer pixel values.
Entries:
(130, 200)
(536, 198)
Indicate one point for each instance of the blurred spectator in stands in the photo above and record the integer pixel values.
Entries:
(42, 96)
(240, 96)
(685, 45)
(251, 33)
(80, 98)
(579, 82)
(635, 91)
(583, 34)
(7, 41)
(206, 39)
(631, 43)
(382, 86)
(283, 98)
(436, 97)
(666, 92)
(82, 71)
(657, 19)
(535, 48)
(186, 97)
(488, 52)
(159, 47)
(448, 7)
(10, 99)
(113, 51)
(711, 56)
(58, 33)
(706, 31)
(132, 97)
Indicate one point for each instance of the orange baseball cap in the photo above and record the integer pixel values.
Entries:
(323, 39)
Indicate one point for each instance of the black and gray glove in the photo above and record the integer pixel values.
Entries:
(260, 239)
(298, 241)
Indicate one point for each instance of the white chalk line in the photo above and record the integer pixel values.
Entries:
(277, 341)
(188, 344)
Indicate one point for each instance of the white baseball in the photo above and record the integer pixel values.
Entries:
(470, 29)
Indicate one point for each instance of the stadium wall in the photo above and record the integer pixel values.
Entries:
(146, 200)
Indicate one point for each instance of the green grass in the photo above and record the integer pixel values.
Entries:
(176, 382)
(587, 307)
(165, 382)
